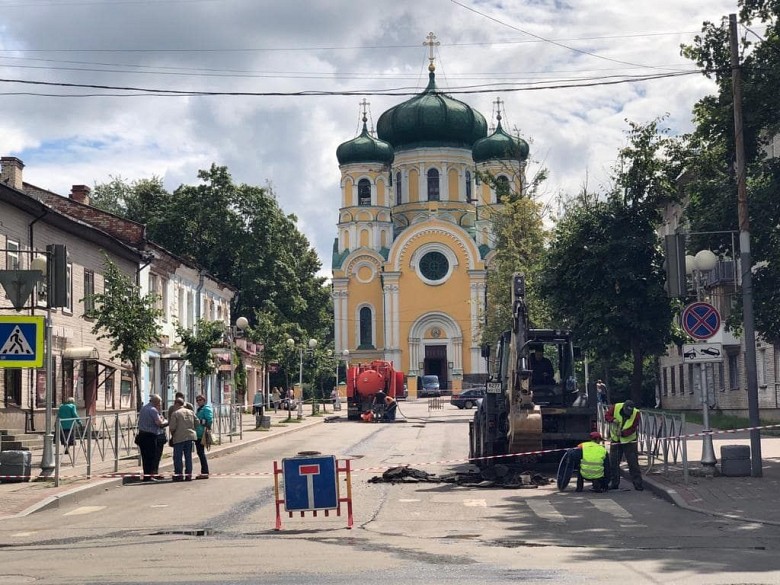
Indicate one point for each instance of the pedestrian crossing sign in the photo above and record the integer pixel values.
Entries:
(21, 341)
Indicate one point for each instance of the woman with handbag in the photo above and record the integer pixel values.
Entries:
(205, 418)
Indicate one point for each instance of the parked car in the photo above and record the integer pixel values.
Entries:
(467, 398)
(429, 386)
(404, 394)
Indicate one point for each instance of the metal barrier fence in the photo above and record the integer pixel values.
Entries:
(95, 440)
(102, 441)
(661, 437)
(227, 422)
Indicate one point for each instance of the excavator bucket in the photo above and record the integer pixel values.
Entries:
(525, 430)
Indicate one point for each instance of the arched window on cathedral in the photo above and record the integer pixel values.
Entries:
(398, 199)
(433, 185)
(364, 192)
(502, 187)
(366, 329)
(468, 186)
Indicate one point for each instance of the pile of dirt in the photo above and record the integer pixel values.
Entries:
(498, 476)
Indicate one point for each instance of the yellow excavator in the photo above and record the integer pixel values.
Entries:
(532, 402)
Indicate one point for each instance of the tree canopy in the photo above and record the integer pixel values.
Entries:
(126, 318)
(240, 235)
(603, 273)
(712, 187)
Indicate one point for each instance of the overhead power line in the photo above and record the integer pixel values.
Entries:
(389, 92)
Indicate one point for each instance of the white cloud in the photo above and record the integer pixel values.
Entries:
(338, 45)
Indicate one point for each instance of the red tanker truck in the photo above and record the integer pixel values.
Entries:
(365, 380)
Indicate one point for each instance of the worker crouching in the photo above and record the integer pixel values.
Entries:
(593, 464)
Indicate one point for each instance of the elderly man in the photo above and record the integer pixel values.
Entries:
(151, 437)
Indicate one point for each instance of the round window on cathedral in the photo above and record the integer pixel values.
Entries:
(434, 266)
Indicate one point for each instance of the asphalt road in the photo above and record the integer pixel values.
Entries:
(222, 530)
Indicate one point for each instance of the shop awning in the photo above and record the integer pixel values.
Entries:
(80, 353)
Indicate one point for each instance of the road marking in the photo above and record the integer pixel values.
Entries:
(407, 500)
(545, 511)
(20, 534)
(475, 503)
(612, 508)
(84, 510)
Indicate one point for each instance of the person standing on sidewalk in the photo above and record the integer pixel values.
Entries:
(68, 417)
(151, 437)
(276, 398)
(182, 425)
(205, 418)
(624, 420)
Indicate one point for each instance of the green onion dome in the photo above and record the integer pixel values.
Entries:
(431, 119)
(365, 149)
(499, 146)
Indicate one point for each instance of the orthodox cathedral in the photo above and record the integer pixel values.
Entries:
(415, 235)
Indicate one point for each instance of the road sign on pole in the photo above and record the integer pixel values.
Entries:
(695, 353)
(701, 320)
(21, 341)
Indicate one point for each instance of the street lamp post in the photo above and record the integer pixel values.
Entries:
(703, 261)
(241, 324)
(291, 344)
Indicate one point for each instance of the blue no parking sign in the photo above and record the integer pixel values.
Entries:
(310, 483)
(701, 320)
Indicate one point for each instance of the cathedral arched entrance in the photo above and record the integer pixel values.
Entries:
(436, 348)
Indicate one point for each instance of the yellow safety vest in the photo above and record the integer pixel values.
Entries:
(592, 464)
(619, 425)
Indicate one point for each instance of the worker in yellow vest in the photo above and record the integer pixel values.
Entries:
(624, 420)
(594, 464)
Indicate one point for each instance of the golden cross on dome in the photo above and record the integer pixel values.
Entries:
(498, 103)
(431, 42)
(365, 103)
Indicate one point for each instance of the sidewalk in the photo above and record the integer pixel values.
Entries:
(21, 499)
(751, 499)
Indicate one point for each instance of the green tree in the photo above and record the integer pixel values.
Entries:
(198, 343)
(519, 243)
(603, 274)
(126, 318)
(712, 185)
(240, 235)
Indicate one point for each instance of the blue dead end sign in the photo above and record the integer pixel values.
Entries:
(701, 320)
(310, 483)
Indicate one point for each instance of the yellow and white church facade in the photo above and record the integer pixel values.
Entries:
(415, 236)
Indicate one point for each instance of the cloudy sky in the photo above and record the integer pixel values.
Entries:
(551, 62)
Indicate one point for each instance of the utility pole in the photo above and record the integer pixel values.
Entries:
(744, 255)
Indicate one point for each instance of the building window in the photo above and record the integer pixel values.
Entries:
(433, 185)
(761, 367)
(12, 255)
(674, 384)
(434, 266)
(366, 329)
(502, 187)
(89, 293)
(364, 192)
(398, 199)
(665, 381)
(734, 371)
(69, 289)
(468, 186)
